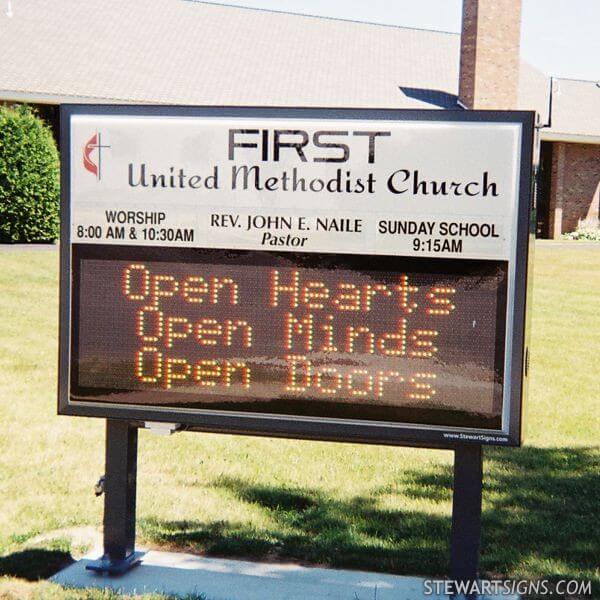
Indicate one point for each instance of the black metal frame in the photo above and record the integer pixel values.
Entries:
(296, 427)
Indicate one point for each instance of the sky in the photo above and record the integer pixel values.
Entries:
(559, 37)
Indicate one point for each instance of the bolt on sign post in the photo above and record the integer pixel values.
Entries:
(353, 275)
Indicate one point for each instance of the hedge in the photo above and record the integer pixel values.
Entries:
(29, 177)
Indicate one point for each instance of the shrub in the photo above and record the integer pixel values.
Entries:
(29, 178)
(588, 231)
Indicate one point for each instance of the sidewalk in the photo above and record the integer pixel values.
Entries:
(223, 579)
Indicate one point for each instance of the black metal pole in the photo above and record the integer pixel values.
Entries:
(119, 500)
(466, 512)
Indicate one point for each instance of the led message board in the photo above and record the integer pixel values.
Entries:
(221, 270)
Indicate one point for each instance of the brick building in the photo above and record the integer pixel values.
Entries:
(570, 158)
(191, 52)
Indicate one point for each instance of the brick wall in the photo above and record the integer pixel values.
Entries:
(575, 187)
(489, 54)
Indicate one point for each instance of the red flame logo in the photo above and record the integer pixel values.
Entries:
(94, 143)
(89, 147)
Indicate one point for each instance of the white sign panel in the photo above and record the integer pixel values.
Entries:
(390, 187)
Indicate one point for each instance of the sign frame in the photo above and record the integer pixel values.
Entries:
(317, 428)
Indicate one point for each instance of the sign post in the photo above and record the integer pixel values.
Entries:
(349, 275)
(119, 500)
(466, 512)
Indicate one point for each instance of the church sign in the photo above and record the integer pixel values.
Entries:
(355, 275)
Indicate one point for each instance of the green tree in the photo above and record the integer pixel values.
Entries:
(29, 178)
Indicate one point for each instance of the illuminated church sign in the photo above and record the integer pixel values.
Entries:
(352, 275)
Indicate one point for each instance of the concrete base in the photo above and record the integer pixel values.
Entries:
(221, 579)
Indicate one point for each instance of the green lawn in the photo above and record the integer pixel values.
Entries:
(368, 507)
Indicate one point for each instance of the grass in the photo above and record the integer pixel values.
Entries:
(367, 507)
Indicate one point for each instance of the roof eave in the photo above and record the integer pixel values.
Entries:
(45, 98)
(547, 135)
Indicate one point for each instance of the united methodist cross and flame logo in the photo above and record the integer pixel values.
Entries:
(94, 146)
